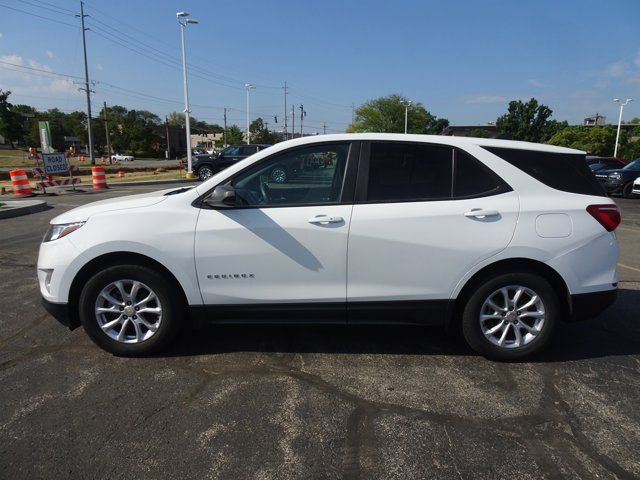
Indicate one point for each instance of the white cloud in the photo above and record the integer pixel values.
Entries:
(99, 67)
(616, 69)
(485, 99)
(50, 54)
(534, 82)
(30, 82)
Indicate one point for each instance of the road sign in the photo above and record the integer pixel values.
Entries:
(55, 163)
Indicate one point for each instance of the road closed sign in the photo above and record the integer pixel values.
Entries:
(55, 163)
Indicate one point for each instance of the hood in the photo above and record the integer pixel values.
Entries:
(82, 213)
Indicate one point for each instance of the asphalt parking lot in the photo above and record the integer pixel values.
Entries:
(313, 402)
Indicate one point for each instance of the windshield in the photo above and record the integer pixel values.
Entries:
(635, 165)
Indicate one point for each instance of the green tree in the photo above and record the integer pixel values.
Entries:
(528, 121)
(261, 134)
(598, 141)
(10, 122)
(234, 135)
(386, 114)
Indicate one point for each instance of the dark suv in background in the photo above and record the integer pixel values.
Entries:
(604, 163)
(206, 166)
(620, 180)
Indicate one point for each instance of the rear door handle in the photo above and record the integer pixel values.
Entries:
(479, 213)
(325, 219)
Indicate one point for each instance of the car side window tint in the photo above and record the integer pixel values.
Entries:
(300, 176)
(247, 151)
(471, 178)
(401, 171)
(231, 151)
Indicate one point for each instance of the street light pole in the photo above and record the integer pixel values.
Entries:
(622, 105)
(406, 104)
(248, 86)
(186, 21)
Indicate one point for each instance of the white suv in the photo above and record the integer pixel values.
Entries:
(501, 239)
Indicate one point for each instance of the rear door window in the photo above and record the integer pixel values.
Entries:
(409, 172)
(473, 179)
(563, 171)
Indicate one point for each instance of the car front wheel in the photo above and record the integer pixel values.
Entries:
(510, 316)
(129, 310)
(205, 173)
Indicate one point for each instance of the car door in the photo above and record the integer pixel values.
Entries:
(282, 249)
(424, 215)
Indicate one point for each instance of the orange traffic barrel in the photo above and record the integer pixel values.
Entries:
(121, 174)
(99, 177)
(20, 182)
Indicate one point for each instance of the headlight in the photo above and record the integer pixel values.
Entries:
(615, 176)
(58, 231)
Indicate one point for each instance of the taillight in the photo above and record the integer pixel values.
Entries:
(607, 215)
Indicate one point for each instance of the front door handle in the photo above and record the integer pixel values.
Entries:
(325, 219)
(479, 213)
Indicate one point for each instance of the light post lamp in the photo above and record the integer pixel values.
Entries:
(248, 86)
(622, 105)
(183, 21)
(406, 104)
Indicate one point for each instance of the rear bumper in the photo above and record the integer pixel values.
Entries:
(60, 311)
(589, 305)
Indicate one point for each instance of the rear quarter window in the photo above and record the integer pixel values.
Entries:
(562, 171)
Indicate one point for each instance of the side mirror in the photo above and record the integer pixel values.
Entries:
(223, 196)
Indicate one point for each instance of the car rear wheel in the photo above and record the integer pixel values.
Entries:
(627, 190)
(129, 310)
(510, 316)
(205, 172)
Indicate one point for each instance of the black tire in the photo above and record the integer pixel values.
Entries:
(205, 172)
(472, 330)
(627, 190)
(171, 302)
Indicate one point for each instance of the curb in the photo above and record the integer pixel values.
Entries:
(27, 207)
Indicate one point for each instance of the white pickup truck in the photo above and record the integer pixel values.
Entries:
(122, 158)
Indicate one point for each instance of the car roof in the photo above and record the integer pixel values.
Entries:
(441, 139)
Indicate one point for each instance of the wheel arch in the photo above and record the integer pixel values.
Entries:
(510, 265)
(108, 260)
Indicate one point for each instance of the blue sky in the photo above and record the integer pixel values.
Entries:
(463, 60)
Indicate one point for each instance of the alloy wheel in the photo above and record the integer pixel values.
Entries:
(512, 316)
(128, 311)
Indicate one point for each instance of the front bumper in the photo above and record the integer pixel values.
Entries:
(589, 305)
(613, 186)
(60, 311)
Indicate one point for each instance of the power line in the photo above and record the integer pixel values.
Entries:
(39, 16)
(57, 12)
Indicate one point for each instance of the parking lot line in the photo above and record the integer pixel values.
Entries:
(630, 268)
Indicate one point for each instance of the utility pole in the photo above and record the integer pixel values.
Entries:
(406, 104)
(293, 121)
(324, 128)
(248, 86)
(106, 131)
(302, 114)
(86, 83)
(166, 132)
(622, 105)
(353, 113)
(285, 110)
(224, 133)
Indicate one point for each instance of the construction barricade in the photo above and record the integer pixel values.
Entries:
(99, 178)
(20, 183)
